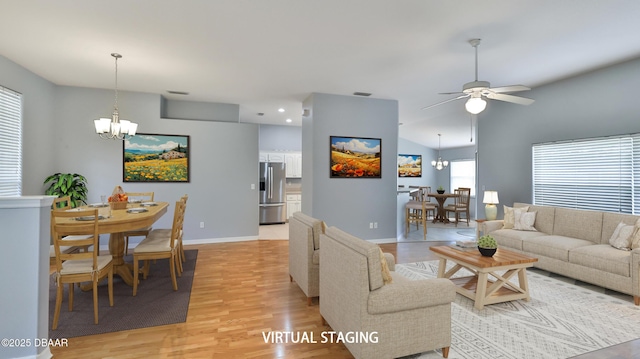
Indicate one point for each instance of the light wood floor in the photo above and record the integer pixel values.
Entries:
(240, 290)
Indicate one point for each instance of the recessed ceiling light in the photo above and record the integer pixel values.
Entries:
(281, 109)
(288, 120)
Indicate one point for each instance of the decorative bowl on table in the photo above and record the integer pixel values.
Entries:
(440, 191)
(487, 252)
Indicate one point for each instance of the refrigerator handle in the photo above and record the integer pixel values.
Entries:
(270, 194)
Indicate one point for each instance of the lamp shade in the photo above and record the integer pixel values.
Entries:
(490, 197)
(475, 105)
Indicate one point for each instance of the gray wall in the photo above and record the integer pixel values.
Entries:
(599, 103)
(350, 204)
(280, 138)
(59, 137)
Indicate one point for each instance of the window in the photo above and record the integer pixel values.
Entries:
(10, 142)
(598, 174)
(463, 174)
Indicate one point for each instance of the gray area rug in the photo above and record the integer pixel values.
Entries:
(561, 320)
(155, 304)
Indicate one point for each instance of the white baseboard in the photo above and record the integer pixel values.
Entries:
(383, 240)
(187, 242)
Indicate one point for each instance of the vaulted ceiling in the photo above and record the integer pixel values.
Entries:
(266, 55)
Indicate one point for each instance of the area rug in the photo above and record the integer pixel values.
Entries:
(561, 320)
(155, 303)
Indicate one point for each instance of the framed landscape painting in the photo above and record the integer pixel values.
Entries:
(355, 157)
(409, 165)
(155, 158)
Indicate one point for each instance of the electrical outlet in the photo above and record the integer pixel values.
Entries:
(201, 224)
(375, 224)
(370, 225)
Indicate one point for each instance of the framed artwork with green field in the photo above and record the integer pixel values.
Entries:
(155, 158)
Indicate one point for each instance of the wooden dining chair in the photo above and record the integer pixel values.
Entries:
(140, 232)
(157, 246)
(418, 211)
(79, 267)
(461, 204)
(64, 204)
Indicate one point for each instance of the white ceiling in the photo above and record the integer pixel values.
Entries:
(264, 55)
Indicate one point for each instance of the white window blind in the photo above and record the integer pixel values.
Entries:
(463, 174)
(10, 142)
(598, 174)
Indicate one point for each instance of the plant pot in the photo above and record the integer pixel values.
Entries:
(440, 191)
(487, 252)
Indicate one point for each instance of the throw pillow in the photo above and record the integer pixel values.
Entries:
(509, 218)
(523, 221)
(386, 273)
(635, 237)
(622, 236)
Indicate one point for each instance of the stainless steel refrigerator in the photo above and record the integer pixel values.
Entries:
(272, 193)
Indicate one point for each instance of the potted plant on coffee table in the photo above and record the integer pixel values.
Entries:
(68, 184)
(487, 245)
(440, 190)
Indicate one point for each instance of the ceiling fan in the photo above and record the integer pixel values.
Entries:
(477, 90)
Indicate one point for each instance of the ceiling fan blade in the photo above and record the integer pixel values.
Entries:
(510, 98)
(512, 88)
(450, 93)
(443, 102)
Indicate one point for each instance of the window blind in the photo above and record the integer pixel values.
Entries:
(463, 174)
(597, 174)
(10, 142)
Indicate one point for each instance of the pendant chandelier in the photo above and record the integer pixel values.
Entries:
(114, 128)
(439, 164)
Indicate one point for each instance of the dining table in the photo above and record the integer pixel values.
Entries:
(135, 216)
(441, 214)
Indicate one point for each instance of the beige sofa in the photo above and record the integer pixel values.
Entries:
(575, 243)
(304, 253)
(403, 317)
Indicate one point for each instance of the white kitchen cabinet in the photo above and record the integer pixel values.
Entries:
(294, 204)
(271, 157)
(293, 163)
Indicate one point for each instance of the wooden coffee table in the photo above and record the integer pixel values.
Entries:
(490, 283)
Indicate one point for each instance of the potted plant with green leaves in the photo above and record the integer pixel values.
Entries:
(487, 245)
(68, 184)
(440, 189)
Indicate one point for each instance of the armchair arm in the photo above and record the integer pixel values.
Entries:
(397, 297)
(490, 226)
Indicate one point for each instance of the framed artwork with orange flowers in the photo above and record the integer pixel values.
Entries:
(355, 157)
(155, 158)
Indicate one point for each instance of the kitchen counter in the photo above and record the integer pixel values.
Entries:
(406, 190)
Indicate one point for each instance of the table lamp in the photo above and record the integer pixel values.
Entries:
(490, 210)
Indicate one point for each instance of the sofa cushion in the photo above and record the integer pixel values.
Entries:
(513, 239)
(370, 250)
(556, 247)
(577, 223)
(602, 257)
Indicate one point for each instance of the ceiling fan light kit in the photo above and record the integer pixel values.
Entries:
(477, 91)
